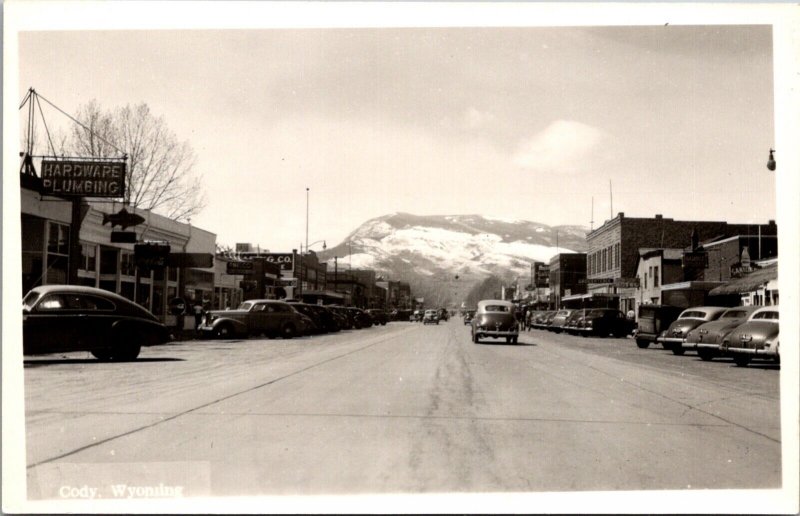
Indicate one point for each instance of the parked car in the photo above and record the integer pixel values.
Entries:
(61, 318)
(360, 318)
(571, 324)
(707, 338)
(560, 320)
(444, 315)
(540, 318)
(755, 338)
(495, 318)
(255, 317)
(324, 319)
(653, 319)
(431, 317)
(548, 320)
(468, 315)
(417, 315)
(343, 316)
(401, 315)
(378, 316)
(673, 337)
(602, 322)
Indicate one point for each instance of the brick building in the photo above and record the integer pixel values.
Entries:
(567, 276)
(613, 248)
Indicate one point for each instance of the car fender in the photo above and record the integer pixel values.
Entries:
(238, 326)
(153, 332)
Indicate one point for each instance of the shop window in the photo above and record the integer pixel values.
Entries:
(88, 258)
(58, 239)
(172, 273)
(126, 265)
(655, 276)
(126, 290)
(108, 260)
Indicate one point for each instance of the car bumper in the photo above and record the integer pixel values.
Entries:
(750, 351)
(497, 333)
(670, 340)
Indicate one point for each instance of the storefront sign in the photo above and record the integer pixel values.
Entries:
(201, 260)
(542, 276)
(284, 260)
(244, 267)
(695, 260)
(626, 282)
(595, 281)
(83, 178)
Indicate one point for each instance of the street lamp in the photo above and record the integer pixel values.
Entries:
(771, 160)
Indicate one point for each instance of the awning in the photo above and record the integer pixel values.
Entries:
(750, 283)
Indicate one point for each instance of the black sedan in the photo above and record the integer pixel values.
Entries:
(61, 318)
(602, 322)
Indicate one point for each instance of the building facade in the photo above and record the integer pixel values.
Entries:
(567, 277)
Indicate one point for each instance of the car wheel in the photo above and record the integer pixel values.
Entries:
(677, 349)
(128, 347)
(514, 340)
(102, 354)
(643, 344)
(705, 355)
(288, 331)
(475, 338)
(509, 340)
(223, 331)
(741, 360)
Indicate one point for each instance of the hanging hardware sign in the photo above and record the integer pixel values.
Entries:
(83, 178)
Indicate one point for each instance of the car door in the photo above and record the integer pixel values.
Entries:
(51, 324)
(258, 319)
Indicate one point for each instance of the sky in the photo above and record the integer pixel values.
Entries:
(533, 123)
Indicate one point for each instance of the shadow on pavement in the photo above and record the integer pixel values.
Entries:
(503, 343)
(61, 361)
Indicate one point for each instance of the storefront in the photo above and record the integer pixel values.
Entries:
(46, 236)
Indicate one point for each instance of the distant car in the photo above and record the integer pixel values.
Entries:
(653, 319)
(324, 320)
(602, 322)
(430, 317)
(756, 338)
(343, 316)
(707, 338)
(401, 315)
(255, 317)
(378, 316)
(495, 318)
(444, 315)
(468, 315)
(417, 315)
(571, 324)
(60, 318)
(540, 318)
(359, 317)
(673, 337)
(560, 320)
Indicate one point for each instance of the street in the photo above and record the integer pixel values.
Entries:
(401, 408)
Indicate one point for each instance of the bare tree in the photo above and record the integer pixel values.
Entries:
(161, 173)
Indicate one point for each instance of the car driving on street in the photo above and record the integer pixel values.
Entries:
(495, 318)
(60, 318)
(430, 317)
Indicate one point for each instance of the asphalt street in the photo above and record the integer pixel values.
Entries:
(401, 408)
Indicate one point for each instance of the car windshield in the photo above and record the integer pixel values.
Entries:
(767, 314)
(246, 305)
(496, 308)
(29, 300)
(595, 313)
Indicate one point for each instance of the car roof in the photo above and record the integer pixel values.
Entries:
(483, 303)
(78, 289)
(708, 309)
(764, 309)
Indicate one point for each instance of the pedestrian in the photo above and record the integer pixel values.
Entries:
(198, 314)
(631, 314)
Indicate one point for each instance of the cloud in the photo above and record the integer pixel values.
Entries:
(563, 145)
(475, 119)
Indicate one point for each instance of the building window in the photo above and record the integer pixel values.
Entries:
(655, 276)
(88, 257)
(108, 260)
(645, 280)
(617, 256)
(57, 253)
(126, 264)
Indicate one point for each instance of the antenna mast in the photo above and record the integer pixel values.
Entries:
(591, 222)
(611, 197)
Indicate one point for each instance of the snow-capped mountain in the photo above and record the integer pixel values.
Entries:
(436, 248)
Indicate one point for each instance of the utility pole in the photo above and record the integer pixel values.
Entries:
(307, 190)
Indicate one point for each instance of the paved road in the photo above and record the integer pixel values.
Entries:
(402, 408)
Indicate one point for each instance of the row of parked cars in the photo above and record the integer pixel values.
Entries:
(286, 319)
(742, 333)
(597, 322)
(63, 318)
